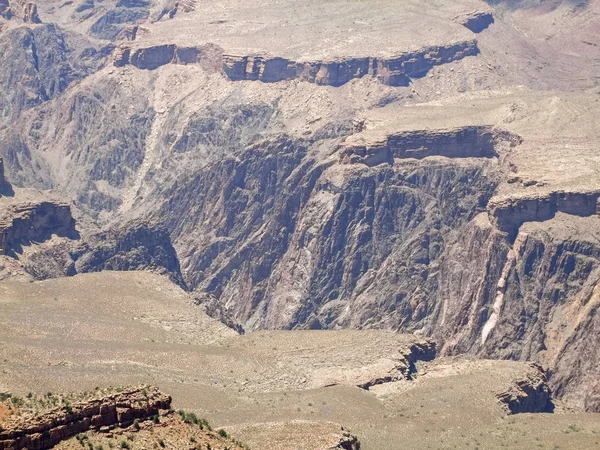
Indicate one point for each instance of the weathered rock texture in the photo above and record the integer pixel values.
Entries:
(22, 10)
(405, 369)
(467, 142)
(528, 395)
(46, 431)
(33, 222)
(478, 21)
(132, 246)
(509, 214)
(447, 224)
(393, 71)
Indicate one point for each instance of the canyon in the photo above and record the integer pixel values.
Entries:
(427, 169)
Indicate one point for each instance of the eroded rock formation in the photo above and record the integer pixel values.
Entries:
(528, 395)
(392, 71)
(47, 430)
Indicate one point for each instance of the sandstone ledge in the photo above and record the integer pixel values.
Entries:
(461, 142)
(47, 430)
(509, 214)
(394, 71)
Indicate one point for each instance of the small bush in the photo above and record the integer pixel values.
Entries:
(223, 433)
(136, 424)
(155, 418)
(125, 444)
(161, 443)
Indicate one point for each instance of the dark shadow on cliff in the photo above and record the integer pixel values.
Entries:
(6, 190)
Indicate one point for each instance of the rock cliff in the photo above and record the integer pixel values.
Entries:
(528, 395)
(396, 71)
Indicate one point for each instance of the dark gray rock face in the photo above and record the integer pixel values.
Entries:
(132, 246)
(530, 394)
(127, 247)
(103, 157)
(115, 20)
(21, 224)
(40, 63)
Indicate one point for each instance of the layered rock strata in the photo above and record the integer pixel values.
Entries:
(394, 71)
(509, 214)
(463, 142)
(530, 394)
(47, 430)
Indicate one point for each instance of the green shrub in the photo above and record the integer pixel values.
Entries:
(223, 433)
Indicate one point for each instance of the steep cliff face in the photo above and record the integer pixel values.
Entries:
(550, 304)
(392, 71)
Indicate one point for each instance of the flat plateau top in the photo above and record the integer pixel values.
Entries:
(560, 133)
(318, 30)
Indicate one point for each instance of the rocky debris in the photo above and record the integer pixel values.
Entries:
(348, 441)
(405, 369)
(47, 430)
(509, 214)
(530, 394)
(465, 142)
(392, 71)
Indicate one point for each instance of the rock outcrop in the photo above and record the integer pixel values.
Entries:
(509, 214)
(39, 63)
(405, 369)
(394, 71)
(131, 246)
(477, 21)
(530, 394)
(23, 10)
(47, 430)
(23, 223)
(466, 142)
